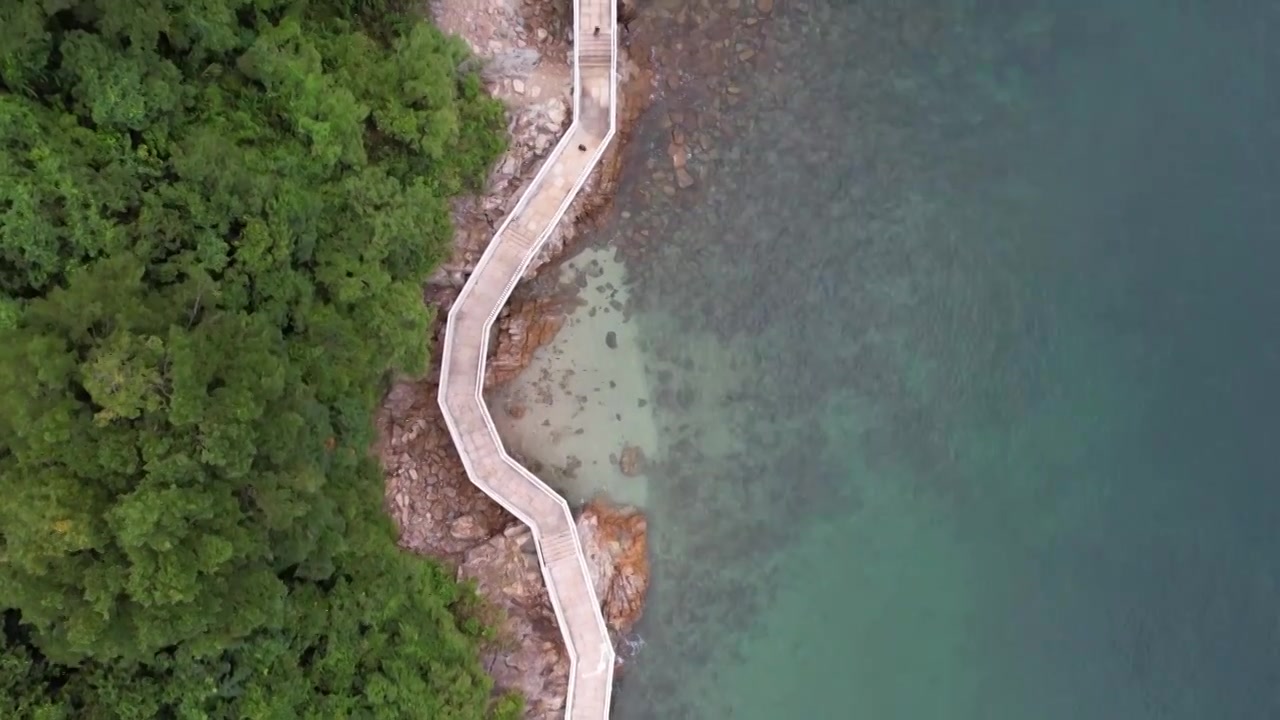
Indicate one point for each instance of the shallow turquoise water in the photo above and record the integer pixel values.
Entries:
(967, 339)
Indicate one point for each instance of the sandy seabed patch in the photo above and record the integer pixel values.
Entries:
(581, 414)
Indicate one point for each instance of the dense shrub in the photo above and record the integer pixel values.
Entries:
(214, 220)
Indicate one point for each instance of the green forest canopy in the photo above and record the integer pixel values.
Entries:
(215, 217)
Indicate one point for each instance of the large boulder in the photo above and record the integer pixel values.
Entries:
(615, 543)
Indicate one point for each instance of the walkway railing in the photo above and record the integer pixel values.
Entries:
(515, 245)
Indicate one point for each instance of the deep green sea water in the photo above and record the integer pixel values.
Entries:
(969, 346)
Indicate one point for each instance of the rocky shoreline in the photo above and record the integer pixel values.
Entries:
(525, 50)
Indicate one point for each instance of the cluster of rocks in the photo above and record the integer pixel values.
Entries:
(442, 515)
(698, 82)
(526, 324)
(614, 541)
(524, 50)
(762, 146)
(439, 512)
(527, 655)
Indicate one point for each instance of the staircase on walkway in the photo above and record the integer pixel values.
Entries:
(466, 348)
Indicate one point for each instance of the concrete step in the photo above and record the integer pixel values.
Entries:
(518, 236)
(595, 47)
(558, 547)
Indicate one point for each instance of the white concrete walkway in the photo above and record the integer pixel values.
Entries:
(466, 348)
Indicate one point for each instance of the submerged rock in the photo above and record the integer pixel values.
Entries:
(631, 461)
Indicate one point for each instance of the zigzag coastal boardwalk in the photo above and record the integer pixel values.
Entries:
(466, 347)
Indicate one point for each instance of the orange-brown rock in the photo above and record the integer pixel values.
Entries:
(615, 542)
(526, 325)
